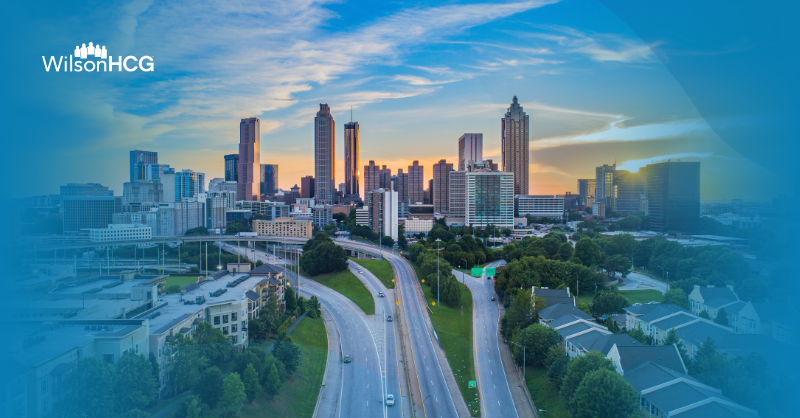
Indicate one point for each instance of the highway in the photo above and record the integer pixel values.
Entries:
(493, 386)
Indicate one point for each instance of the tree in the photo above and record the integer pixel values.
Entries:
(587, 252)
(607, 303)
(199, 231)
(186, 363)
(617, 264)
(289, 295)
(640, 336)
(402, 242)
(565, 251)
(273, 382)
(704, 314)
(251, 385)
(340, 217)
(135, 386)
(233, 393)
(289, 354)
(251, 355)
(672, 338)
(676, 296)
(190, 407)
(722, 317)
(155, 369)
(603, 393)
(578, 368)
(313, 307)
(322, 255)
(91, 387)
(387, 241)
(209, 386)
(537, 340)
(213, 344)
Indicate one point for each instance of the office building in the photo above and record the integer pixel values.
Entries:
(441, 186)
(351, 144)
(153, 172)
(415, 225)
(491, 165)
(599, 209)
(586, 190)
(572, 202)
(629, 190)
(673, 193)
(400, 185)
(220, 185)
(376, 177)
(516, 146)
(139, 159)
(416, 188)
(382, 212)
(232, 167)
(269, 179)
(85, 212)
(322, 215)
(120, 232)
(458, 190)
(228, 197)
(175, 218)
(268, 209)
(216, 207)
(362, 216)
(148, 217)
(249, 159)
(539, 206)
(307, 187)
(142, 191)
(429, 193)
(183, 185)
(284, 227)
(421, 211)
(489, 199)
(85, 190)
(470, 148)
(604, 186)
(233, 215)
(324, 155)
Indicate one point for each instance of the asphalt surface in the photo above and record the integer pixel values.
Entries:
(638, 281)
(495, 393)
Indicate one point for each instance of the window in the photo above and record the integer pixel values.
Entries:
(225, 330)
(43, 385)
(233, 328)
(224, 319)
(45, 405)
(216, 320)
(137, 348)
(234, 339)
(233, 317)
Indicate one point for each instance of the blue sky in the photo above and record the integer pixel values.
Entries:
(416, 74)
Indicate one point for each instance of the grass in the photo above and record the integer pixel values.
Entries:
(544, 393)
(380, 268)
(633, 296)
(298, 396)
(348, 285)
(181, 280)
(455, 334)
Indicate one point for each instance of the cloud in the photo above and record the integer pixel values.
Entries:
(634, 165)
(421, 81)
(600, 47)
(617, 132)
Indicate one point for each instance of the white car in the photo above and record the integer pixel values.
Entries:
(389, 399)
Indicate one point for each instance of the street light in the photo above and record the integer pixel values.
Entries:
(523, 359)
(462, 272)
(438, 304)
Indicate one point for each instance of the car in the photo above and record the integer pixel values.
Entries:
(389, 399)
(492, 297)
(389, 318)
(347, 359)
(381, 294)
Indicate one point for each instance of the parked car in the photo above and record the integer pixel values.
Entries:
(389, 399)
(347, 359)
(389, 318)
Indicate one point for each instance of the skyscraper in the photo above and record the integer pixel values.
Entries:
(489, 198)
(383, 210)
(324, 155)
(673, 193)
(376, 177)
(183, 185)
(249, 159)
(153, 172)
(515, 146)
(269, 178)
(401, 186)
(629, 187)
(138, 160)
(416, 189)
(232, 167)
(441, 186)
(458, 190)
(307, 187)
(351, 186)
(604, 186)
(586, 190)
(470, 147)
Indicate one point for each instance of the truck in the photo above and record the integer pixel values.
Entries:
(247, 234)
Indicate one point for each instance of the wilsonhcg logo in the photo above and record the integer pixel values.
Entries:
(93, 58)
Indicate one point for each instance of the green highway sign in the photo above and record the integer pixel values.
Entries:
(477, 272)
(490, 271)
(472, 384)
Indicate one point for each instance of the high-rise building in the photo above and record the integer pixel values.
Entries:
(376, 177)
(307, 187)
(138, 160)
(586, 190)
(673, 193)
(269, 178)
(604, 186)
(515, 145)
(88, 189)
(458, 190)
(175, 218)
(153, 172)
(183, 185)
(216, 205)
(400, 183)
(351, 144)
(249, 159)
(232, 167)
(84, 212)
(491, 165)
(441, 186)
(220, 185)
(142, 191)
(416, 188)
(382, 205)
(429, 193)
(489, 198)
(629, 189)
(470, 147)
(324, 155)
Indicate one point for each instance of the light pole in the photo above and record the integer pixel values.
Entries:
(523, 359)
(437, 273)
(463, 273)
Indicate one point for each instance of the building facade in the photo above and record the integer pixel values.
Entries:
(142, 191)
(307, 187)
(470, 148)
(458, 189)
(84, 212)
(416, 188)
(232, 167)
(605, 191)
(284, 227)
(673, 194)
(382, 212)
(183, 185)
(586, 190)
(629, 190)
(249, 159)
(85, 190)
(138, 160)
(489, 199)
(351, 174)
(269, 179)
(441, 186)
(515, 145)
(153, 172)
(324, 155)
(120, 232)
(268, 209)
(539, 206)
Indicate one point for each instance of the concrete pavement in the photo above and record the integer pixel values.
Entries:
(639, 281)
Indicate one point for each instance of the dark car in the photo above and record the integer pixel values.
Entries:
(347, 359)
(389, 318)
(492, 297)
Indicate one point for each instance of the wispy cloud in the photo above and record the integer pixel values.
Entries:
(616, 131)
(600, 47)
(421, 81)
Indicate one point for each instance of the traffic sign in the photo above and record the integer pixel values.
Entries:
(472, 384)
(477, 272)
(490, 271)
(398, 302)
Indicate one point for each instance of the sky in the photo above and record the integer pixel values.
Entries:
(416, 76)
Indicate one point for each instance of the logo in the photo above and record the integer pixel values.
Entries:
(94, 58)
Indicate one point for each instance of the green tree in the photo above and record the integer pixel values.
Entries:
(578, 368)
(603, 393)
(91, 387)
(387, 241)
(704, 314)
(587, 252)
(233, 394)
(190, 407)
(402, 242)
(607, 303)
(186, 363)
(722, 317)
(254, 356)
(639, 335)
(213, 344)
(290, 297)
(340, 217)
(676, 296)
(209, 386)
(155, 369)
(135, 386)
(322, 255)
(537, 340)
(199, 231)
(273, 382)
(565, 251)
(289, 354)
(251, 385)
(617, 264)
(672, 338)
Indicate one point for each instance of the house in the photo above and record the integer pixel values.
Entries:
(553, 296)
(627, 358)
(272, 283)
(553, 312)
(710, 299)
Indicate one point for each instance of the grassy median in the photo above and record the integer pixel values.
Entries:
(349, 286)
(455, 334)
(544, 393)
(380, 268)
